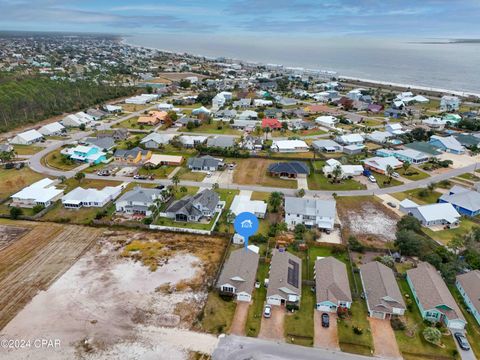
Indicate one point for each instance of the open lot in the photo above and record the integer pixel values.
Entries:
(27, 149)
(216, 127)
(12, 181)
(119, 298)
(254, 172)
(367, 219)
(320, 182)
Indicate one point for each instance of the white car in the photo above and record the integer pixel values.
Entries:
(395, 175)
(267, 311)
(372, 179)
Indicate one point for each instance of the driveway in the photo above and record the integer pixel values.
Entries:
(240, 318)
(302, 183)
(272, 328)
(386, 198)
(364, 180)
(465, 355)
(384, 339)
(326, 338)
(335, 237)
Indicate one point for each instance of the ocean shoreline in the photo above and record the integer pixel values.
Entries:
(464, 94)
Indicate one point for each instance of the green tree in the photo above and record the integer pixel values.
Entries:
(336, 173)
(175, 181)
(405, 166)
(15, 213)
(389, 171)
(408, 242)
(432, 335)
(409, 222)
(79, 176)
(6, 156)
(275, 200)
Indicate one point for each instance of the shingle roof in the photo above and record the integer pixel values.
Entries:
(432, 292)
(381, 288)
(471, 284)
(139, 194)
(240, 270)
(331, 281)
(310, 207)
(221, 141)
(464, 198)
(102, 142)
(207, 198)
(204, 161)
(282, 263)
(292, 167)
(132, 152)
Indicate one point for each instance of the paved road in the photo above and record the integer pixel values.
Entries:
(241, 348)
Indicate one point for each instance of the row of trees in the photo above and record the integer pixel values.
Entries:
(30, 99)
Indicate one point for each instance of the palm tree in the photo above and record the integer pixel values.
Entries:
(336, 172)
(183, 189)
(79, 176)
(175, 180)
(275, 200)
(266, 130)
(215, 186)
(405, 167)
(389, 172)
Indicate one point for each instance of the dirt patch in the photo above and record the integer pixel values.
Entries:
(8, 234)
(110, 304)
(368, 220)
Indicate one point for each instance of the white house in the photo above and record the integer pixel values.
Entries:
(449, 103)
(443, 214)
(52, 129)
(261, 102)
(141, 99)
(80, 197)
(165, 106)
(242, 203)
(394, 128)
(346, 170)
(190, 141)
(155, 140)
(380, 164)
(113, 108)
(287, 146)
(27, 138)
(42, 192)
(327, 121)
(350, 139)
(77, 119)
(310, 212)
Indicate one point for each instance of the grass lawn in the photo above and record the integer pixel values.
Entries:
(132, 124)
(12, 180)
(320, 182)
(410, 341)
(27, 149)
(186, 225)
(382, 180)
(81, 216)
(296, 155)
(216, 127)
(412, 174)
(372, 122)
(258, 195)
(227, 196)
(59, 161)
(161, 172)
(473, 328)
(300, 323)
(470, 177)
(445, 236)
(186, 174)
(133, 107)
(415, 195)
(255, 311)
(254, 172)
(218, 314)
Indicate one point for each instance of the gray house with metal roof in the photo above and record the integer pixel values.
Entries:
(285, 279)
(194, 207)
(238, 275)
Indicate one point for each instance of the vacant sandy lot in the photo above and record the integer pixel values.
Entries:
(10, 233)
(367, 219)
(134, 295)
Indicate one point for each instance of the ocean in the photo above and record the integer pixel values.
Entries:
(424, 63)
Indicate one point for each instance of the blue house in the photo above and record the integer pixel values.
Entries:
(469, 287)
(447, 144)
(393, 113)
(465, 201)
(88, 154)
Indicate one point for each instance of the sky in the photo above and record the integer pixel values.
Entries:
(372, 18)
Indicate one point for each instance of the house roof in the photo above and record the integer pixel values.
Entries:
(467, 140)
(80, 194)
(462, 197)
(326, 144)
(30, 135)
(439, 211)
(157, 138)
(52, 127)
(289, 144)
(102, 142)
(242, 203)
(331, 281)
(432, 292)
(271, 123)
(188, 205)
(240, 270)
(379, 136)
(142, 195)
(449, 142)
(130, 153)
(381, 288)
(40, 191)
(381, 163)
(156, 159)
(285, 274)
(204, 161)
(310, 207)
(423, 147)
(470, 283)
(292, 167)
(221, 141)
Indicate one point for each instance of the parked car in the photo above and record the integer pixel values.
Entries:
(140, 177)
(395, 175)
(267, 311)
(391, 204)
(209, 174)
(9, 166)
(462, 341)
(19, 165)
(160, 187)
(372, 179)
(325, 320)
(103, 173)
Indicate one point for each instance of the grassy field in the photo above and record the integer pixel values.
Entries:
(27, 149)
(412, 174)
(218, 314)
(470, 177)
(216, 127)
(414, 195)
(300, 323)
(382, 180)
(227, 196)
(410, 341)
(255, 310)
(59, 161)
(160, 173)
(445, 236)
(133, 107)
(12, 180)
(254, 172)
(188, 175)
(320, 182)
(132, 124)
(82, 216)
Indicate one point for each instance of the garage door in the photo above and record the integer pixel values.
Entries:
(243, 297)
(273, 301)
(324, 308)
(378, 315)
(456, 325)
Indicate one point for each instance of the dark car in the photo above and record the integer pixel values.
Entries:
(160, 187)
(325, 320)
(462, 341)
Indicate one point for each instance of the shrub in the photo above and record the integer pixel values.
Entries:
(357, 330)
(147, 220)
(432, 335)
(397, 323)
(37, 208)
(15, 213)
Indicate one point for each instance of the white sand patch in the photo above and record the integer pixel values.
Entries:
(372, 221)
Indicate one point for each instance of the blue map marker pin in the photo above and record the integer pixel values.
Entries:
(246, 225)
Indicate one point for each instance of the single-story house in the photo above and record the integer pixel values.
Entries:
(346, 170)
(284, 279)
(27, 138)
(88, 154)
(327, 121)
(132, 156)
(242, 203)
(113, 108)
(248, 115)
(205, 163)
(194, 208)
(42, 192)
(433, 298)
(286, 146)
(190, 141)
(435, 123)
(353, 149)
(270, 123)
(239, 274)
(223, 142)
(327, 145)
(80, 197)
(350, 139)
(155, 140)
(469, 287)
(201, 111)
(380, 164)
(310, 212)
(467, 140)
(431, 214)
(379, 137)
(332, 287)
(412, 156)
(465, 201)
(393, 113)
(252, 143)
(394, 129)
(381, 291)
(77, 120)
(448, 144)
(104, 143)
(118, 134)
(96, 114)
(160, 159)
(292, 169)
(139, 201)
(52, 129)
(424, 147)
